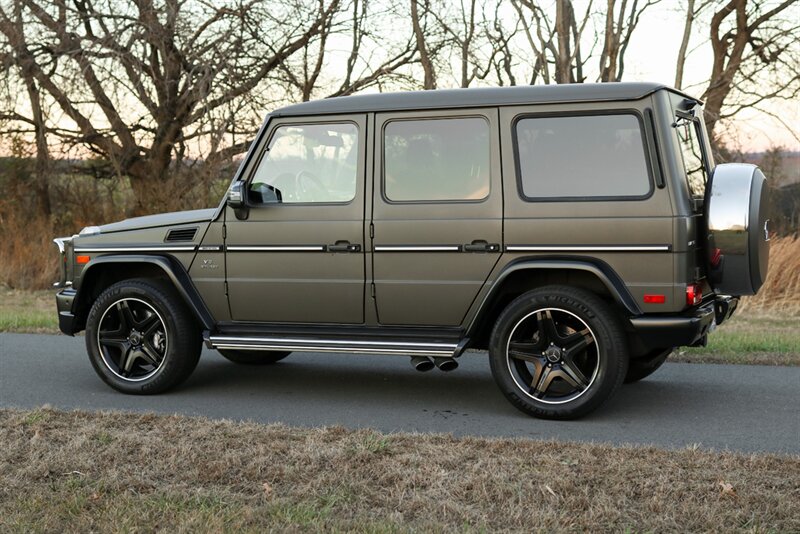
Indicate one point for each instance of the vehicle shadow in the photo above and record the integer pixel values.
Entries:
(387, 382)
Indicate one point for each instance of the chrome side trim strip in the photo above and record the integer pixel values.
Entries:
(213, 339)
(332, 345)
(277, 248)
(358, 350)
(417, 248)
(136, 249)
(588, 248)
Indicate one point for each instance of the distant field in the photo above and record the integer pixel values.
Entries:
(752, 336)
(115, 472)
(28, 311)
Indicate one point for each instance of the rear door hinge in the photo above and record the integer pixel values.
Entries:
(371, 231)
(372, 289)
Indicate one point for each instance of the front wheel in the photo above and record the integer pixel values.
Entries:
(140, 337)
(558, 352)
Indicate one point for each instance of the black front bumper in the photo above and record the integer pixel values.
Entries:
(686, 329)
(66, 318)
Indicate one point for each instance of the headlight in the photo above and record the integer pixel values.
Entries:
(64, 245)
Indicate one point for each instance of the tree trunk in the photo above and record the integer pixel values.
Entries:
(563, 27)
(427, 65)
(687, 32)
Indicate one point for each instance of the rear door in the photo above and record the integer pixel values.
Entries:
(299, 256)
(437, 213)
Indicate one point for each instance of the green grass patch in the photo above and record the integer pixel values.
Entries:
(28, 311)
(29, 321)
(749, 338)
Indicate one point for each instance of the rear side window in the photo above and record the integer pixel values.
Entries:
(582, 157)
(693, 164)
(436, 160)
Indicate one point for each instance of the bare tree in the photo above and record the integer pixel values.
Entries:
(418, 22)
(36, 120)
(755, 57)
(556, 42)
(621, 19)
(139, 80)
(372, 60)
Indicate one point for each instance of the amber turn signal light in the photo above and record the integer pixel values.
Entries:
(81, 260)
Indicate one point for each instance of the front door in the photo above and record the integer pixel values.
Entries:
(299, 256)
(437, 214)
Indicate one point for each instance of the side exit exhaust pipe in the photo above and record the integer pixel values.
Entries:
(421, 363)
(445, 364)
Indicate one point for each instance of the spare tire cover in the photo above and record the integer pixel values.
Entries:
(737, 216)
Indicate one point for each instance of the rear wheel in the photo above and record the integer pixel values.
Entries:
(254, 357)
(558, 352)
(140, 337)
(641, 368)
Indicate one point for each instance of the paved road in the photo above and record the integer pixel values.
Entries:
(744, 408)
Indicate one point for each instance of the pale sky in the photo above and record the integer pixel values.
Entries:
(652, 56)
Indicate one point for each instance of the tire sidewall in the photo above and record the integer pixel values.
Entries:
(168, 309)
(612, 355)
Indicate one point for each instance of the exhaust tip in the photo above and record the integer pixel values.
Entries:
(421, 363)
(445, 364)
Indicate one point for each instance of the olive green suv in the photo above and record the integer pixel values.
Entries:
(579, 233)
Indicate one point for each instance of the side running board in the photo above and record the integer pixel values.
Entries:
(336, 345)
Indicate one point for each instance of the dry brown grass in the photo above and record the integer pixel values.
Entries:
(78, 200)
(71, 471)
(781, 291)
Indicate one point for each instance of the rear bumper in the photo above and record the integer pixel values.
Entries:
(66, 319)
(688, 328)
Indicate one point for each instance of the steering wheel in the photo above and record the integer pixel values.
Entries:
(310, 185)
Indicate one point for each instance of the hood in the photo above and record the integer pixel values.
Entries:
(161, 219)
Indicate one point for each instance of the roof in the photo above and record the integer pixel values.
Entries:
(475, 97)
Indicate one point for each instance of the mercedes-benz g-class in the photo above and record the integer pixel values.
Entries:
(579, 233)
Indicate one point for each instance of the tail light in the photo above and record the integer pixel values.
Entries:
(694, 294)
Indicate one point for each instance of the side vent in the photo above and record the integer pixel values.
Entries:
(180, 234)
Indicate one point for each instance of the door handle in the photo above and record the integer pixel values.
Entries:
(479, 245)
(344, 246)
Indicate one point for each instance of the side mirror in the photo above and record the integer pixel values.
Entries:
(236, 200)
(236, 195)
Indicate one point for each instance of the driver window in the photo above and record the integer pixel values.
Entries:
(308, 163)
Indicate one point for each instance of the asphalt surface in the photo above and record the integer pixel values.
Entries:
(724, 407)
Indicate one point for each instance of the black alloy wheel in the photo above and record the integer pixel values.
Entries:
(558, 352)
(553, 355)
(141, 338)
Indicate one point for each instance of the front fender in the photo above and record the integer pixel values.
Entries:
(174, 271)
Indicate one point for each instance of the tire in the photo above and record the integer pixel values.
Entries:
(141, 338)
(641, 368)
(254, 357)
(558, 352)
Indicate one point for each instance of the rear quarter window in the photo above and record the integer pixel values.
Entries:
(587, 157)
